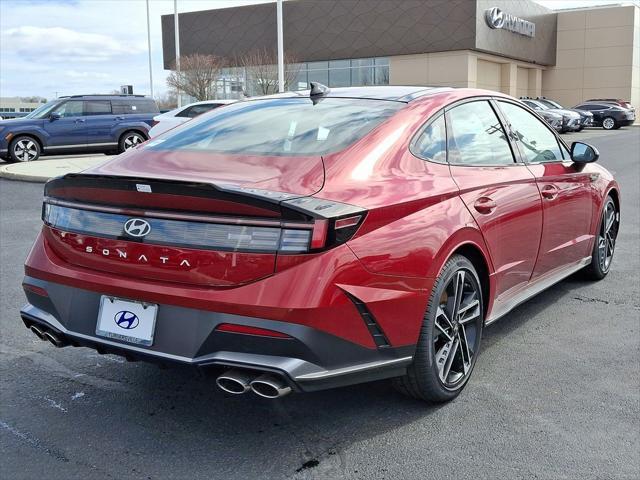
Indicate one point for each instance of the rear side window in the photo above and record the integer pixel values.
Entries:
(97, 107)
(131, 106)
(538, 143)
(145, 105)
(283, 126)
(195, 110)
(592, 106)
(431, 144)
(121, 107)
(476, 137)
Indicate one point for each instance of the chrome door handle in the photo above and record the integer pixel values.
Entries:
(549, 192)
(484, 205)
(79, 120)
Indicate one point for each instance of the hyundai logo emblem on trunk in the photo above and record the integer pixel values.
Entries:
(137, 227)
(127, 320)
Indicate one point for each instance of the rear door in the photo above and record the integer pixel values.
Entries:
(69, 130)
(565, 191)
(100, 122)
(499, 191)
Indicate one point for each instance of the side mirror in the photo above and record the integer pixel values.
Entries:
(54, 116)
(583, 153)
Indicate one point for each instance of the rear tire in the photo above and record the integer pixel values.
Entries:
(129, 140)
(608, 123)
(449, 340)
(23, 149)
(605, 242)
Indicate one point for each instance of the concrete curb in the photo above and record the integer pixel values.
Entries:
(43, 170)
(21, 177)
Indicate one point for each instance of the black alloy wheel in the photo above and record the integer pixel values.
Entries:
(449, 342)
(605, 242)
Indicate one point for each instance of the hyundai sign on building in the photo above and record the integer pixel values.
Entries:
(496, 18)
(516, 47)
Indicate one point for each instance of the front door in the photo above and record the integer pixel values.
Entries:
(69, 130)
(500, 192)
(565, 191)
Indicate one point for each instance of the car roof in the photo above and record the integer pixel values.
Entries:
(106, 97)
(378, 92)
(208, 102)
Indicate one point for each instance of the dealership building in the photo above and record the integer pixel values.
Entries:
(513, 46)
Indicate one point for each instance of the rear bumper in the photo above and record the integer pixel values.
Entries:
(309, 360)
(346, 324)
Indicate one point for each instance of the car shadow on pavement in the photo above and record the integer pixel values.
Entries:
(300, 430)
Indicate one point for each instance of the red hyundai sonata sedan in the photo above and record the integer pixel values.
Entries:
(310, 240)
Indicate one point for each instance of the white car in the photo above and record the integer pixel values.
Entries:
(180, 115)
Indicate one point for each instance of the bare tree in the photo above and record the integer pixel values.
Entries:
(197, 76)
(261, 66)
(167, 101)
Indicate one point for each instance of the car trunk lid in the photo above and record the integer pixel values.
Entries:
(211, 220)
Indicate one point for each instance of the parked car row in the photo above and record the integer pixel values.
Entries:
(78, 124)
(608, 113)
(178, 116)
(115, 123)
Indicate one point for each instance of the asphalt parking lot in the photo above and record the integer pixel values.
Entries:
(555, 393)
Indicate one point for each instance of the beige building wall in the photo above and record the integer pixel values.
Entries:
(598, 56)
(467, 68)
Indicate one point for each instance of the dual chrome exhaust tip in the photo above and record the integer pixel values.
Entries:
(48, 335)
(234, 381)
(267, 385)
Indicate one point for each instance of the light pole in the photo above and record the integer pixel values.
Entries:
(149, 48)
(280, 49)
(176, 28)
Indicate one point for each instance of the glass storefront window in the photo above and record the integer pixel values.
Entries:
(340, 77)
(317, 65)
(321, 76)
(339, 63)
(234, 81)
(362, 76)
(362, 62)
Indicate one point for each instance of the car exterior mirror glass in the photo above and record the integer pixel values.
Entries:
(583, 153)
(54, 116)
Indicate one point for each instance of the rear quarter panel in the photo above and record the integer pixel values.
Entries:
(416, 218)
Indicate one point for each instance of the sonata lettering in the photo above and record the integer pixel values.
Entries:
(142, 258)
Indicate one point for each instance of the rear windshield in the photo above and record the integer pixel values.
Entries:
(283, 126)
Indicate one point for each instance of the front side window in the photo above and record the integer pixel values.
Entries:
(532, 105)
(476, 137)
(431, 144)
(538, 143)
(70, 109)
(43, 110)
(283, 126)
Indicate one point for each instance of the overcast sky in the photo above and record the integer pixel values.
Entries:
(94, 46)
